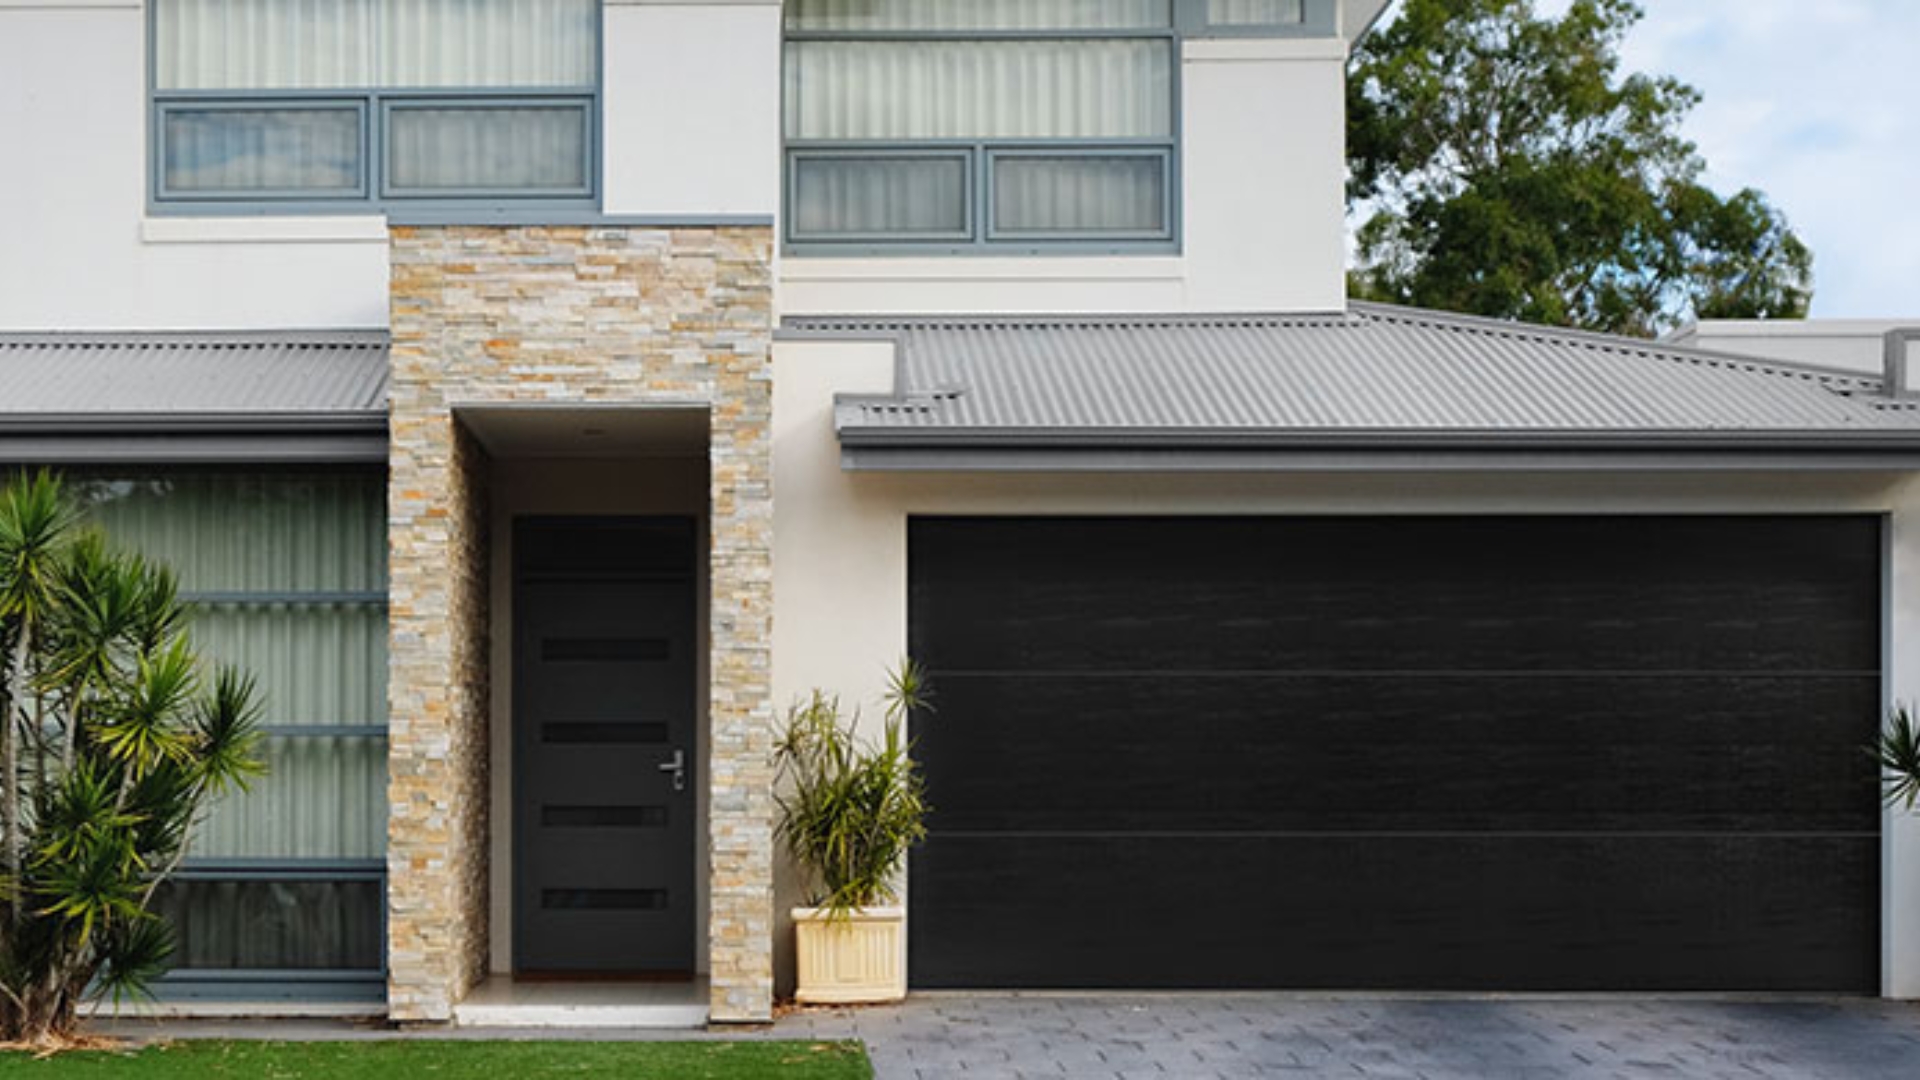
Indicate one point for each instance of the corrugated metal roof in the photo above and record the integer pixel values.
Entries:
(1374, 372)
(241, 375)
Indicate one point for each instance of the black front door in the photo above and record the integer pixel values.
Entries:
(604, 727)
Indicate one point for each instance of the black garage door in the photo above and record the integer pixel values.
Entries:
(1460, 753)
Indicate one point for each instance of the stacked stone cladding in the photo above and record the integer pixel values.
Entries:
(568, 316)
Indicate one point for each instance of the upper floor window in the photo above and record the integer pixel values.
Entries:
(1229, 13)
(276, 105)
(981, 124)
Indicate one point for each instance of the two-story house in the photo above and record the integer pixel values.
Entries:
(540, 394)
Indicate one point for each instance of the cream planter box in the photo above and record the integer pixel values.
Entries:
(858, 959)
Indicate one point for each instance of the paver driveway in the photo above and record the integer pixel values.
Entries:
(1264, 1035)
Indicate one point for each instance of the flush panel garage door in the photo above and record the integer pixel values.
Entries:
(1460, 753)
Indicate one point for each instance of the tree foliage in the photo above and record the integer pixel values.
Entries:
(112, 742)
(1504, 165)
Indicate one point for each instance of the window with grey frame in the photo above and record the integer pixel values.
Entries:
(991, 125)
(283, 894)
(347, 105)
(1265, 18)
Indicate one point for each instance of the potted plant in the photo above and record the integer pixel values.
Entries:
(850, 809)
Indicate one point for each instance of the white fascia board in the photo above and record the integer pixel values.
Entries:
(1359, 16)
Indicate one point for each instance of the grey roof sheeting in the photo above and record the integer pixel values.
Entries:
(1338, 389)
(165, 396)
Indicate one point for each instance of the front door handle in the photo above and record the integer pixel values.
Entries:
(678, 767)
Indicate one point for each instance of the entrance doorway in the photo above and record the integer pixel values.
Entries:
(605, 722)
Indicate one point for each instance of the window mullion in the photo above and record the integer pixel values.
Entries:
(375, 152)
(982, 208)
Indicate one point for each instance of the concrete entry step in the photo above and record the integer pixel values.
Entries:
(503, 1002)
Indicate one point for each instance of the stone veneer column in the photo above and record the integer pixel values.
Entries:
(557, 316)
(437, 695)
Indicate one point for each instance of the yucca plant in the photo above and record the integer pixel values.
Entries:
(112, 743)
(1898, 751)
(850, 809)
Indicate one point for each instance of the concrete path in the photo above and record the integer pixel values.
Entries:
(1212, 1036)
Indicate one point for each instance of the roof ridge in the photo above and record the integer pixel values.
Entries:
(1619, 344)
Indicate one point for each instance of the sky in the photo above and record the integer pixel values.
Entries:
(1817, 104)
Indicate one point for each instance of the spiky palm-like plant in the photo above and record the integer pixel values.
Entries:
(112, 743)
(851, 810)
(1898, 751)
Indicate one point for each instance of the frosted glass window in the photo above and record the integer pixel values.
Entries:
(488, 148)
(894, 90)
(227, 151)
(369, 44)
(262, 44)
(899, 114)
(498, 43)
(319, 663)
(1256, 12)
(227, 532)
(880, 196)
(322, 798)
(872, 15)
(286, 575)
(1080, 194)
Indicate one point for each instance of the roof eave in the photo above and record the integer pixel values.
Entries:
(133, 423)
(138, 439)
(895, 449)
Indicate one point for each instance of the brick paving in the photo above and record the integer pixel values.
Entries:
(1264, 1035)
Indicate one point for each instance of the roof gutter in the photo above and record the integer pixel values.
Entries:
(193, 438)
(1313, 451)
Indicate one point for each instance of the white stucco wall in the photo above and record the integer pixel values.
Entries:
(1851, 344)
(79, 251)
(692, 102)
(840, 556)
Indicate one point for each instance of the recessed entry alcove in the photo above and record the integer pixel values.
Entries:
(598, 641)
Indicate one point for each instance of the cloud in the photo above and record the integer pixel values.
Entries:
(1814, 104)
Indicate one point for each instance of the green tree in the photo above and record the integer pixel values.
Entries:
(1503, 165)
(111, 744)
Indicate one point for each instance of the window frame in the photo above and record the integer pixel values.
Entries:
(375, 195)
(1049, 150)
(168, 107)
(827, 150)
(981, 154)
(390, 103)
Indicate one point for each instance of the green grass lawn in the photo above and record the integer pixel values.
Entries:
(417, 1059)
